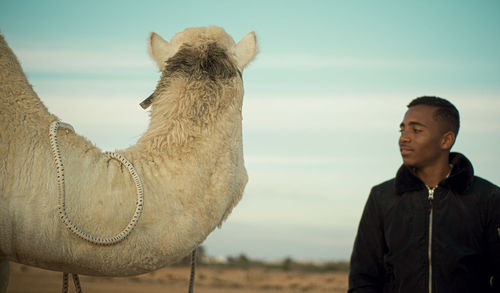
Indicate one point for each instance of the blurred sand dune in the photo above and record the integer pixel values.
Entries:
(209, 279)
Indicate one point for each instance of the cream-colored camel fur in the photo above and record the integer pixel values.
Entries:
(190, 160)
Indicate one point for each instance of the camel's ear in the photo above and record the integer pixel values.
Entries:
(245, 50)
(160, 50)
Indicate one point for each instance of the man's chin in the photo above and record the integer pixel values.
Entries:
(408, 162)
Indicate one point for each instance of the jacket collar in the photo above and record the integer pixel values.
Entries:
(460, 178)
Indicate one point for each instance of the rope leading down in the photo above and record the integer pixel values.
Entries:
(78, 287)
(54, 126)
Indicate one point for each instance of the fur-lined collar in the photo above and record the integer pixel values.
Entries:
(460, 178)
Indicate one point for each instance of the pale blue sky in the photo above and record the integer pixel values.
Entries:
(323, 99)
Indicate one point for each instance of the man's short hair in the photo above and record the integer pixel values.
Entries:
(445, 112)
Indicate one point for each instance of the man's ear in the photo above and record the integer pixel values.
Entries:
(448, 140)
(160, 50)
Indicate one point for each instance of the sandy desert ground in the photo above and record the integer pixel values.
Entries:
(175, 279)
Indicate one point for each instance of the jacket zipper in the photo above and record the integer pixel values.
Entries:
(430, 198)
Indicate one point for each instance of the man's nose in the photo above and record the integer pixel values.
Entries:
(403, 137)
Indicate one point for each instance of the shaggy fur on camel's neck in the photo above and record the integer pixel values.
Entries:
(199, 85)
(190, 160)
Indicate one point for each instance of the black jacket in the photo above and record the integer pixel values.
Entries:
(404, 240)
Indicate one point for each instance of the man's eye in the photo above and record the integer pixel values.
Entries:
(417, 130)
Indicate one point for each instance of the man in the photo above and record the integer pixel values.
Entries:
(436, 226)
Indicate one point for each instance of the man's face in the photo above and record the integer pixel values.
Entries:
(420, 142)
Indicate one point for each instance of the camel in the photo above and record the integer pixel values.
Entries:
(190, 162)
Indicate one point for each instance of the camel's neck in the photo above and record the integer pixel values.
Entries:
(192, 116)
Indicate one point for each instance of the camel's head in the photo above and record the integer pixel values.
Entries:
(197, 54)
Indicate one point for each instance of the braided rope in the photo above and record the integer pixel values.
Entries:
(73, 228)
(62, 193)
(76, 282)
(193, 271)
(65, 283)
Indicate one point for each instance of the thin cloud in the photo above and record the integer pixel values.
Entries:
(304, 160)
(320, 113)
(303, 61)
(74, 61)
(114, 122)
(342, 113)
